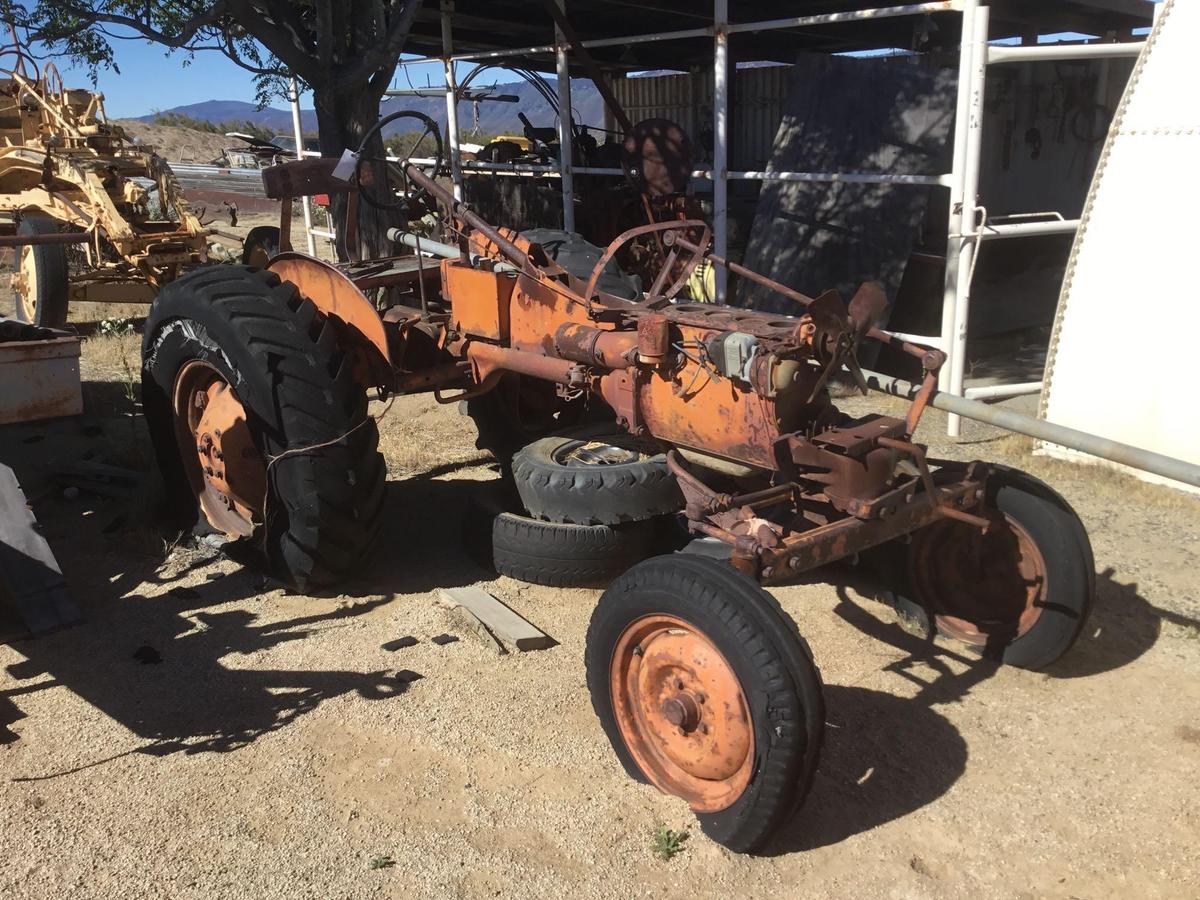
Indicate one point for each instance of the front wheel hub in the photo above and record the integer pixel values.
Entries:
(682, 712)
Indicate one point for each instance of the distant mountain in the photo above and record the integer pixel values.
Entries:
(489, 116)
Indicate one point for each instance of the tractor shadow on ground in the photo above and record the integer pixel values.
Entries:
(1123, 625)
(885, 755)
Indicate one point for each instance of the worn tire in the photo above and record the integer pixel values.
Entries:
(53, 278)
(261, 243)
(324, 507)
(567, 555)
(1063, 544)
(773, 663)
(608, 494)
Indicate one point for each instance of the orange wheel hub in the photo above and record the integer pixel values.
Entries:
(980, 586)
(224, 467)
(682, 712)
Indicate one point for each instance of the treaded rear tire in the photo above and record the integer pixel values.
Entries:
(280, 354)
(781, 682)
(567, 555)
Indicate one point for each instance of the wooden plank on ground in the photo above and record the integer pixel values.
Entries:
(499, 619)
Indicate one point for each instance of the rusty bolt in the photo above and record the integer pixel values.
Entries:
(208, 470)
(700, 698)
(217, 432)
(679, 684)
(703, 728)
(220, 455)
(638, 651)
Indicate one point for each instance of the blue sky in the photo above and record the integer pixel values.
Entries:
(151, 79)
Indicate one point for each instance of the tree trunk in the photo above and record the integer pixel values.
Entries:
(342, 121)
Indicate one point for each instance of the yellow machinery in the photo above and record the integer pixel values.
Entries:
(64, 167)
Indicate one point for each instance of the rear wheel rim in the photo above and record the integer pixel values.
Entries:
(682, 712)
(594, 453)
(224, 466)
(980, 587)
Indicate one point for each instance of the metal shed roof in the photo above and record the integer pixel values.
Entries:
(493, 25)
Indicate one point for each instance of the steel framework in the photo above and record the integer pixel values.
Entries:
(966, 230)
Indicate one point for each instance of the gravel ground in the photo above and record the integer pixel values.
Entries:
(273, 752)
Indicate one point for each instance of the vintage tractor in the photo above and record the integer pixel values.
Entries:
(611, 408)
(65, 167)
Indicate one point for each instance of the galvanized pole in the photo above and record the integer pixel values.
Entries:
(451, 99)
(969, 243)
(953, 241)
(721, 143)
(298, 131)
(1071, 438)
(564, 126)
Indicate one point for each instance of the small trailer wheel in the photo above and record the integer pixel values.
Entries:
(45, 274)
(706, 691)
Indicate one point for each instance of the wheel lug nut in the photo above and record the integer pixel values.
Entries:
(679, 684)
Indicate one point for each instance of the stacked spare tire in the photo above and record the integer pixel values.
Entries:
(594, 501)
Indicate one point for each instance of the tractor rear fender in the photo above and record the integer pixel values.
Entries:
(336, 295)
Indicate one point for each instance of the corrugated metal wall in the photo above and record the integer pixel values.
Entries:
(757, 104)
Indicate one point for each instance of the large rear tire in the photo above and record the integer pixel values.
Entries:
(705, 690)
(259, 425)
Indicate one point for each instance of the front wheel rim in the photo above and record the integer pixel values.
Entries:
(682, 712)
(224, 466)
(28, 290)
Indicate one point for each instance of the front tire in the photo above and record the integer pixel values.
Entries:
(705, 690)
(258, 423)
(46, 275)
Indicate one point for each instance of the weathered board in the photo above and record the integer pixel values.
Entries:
(501, 621)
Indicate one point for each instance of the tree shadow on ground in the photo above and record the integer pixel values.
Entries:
(190, 699)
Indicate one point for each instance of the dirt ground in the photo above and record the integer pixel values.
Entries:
(273, 752)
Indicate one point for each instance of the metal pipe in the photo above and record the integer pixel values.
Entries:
(889, 12)
(464, 212)
(1003, 391)
(451, 99)
(438, 249)
(847, 177)
(1053, 52)
(433, 248)
(969, 247)
(1094, 445)
(1027, 229)
(721, 141)
(565, 147)
(298, 131)
(40, 240)
(955, 229)
(549, 48)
